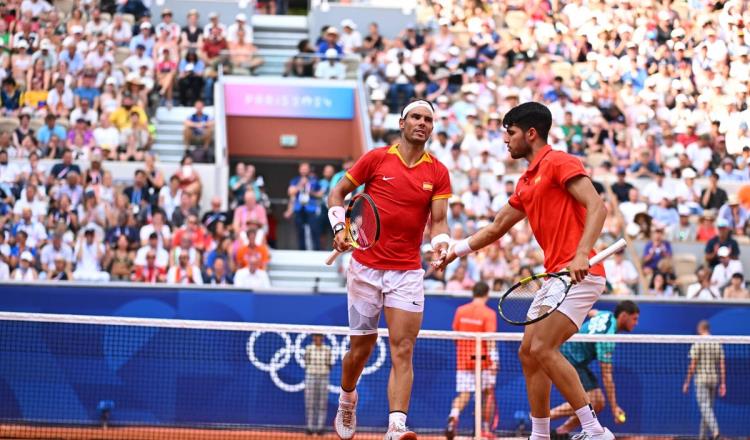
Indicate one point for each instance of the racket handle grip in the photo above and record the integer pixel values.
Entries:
(332, 257)
(603, 255)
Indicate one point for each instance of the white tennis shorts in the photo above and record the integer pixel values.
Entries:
(465, 382)
(371, 289)
(581, 297)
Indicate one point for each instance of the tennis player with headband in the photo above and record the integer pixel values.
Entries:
(409, 186)
(566, 216)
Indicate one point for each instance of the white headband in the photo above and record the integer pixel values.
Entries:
(414, 105)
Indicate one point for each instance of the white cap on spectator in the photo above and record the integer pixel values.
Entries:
(442, 98)
(455, 200)
(441, 73)
(23, 44)
(743, 50)
(45, 44)
(623, 28)
(454, 51)
(471, 112)
(723, 252)
(683, 210)
(689, 173)
(213, 15)
(495, 116)
(722, 223)
(26, 256)
(587, 96)
(664, 15)
(76, 29)
(240, 17)
(377, 95)
(110, 80)
(679, 45)
(677, 33)
(444, 21)
(733, 199)
(372, 82)
(332, 30)
(348, 22)
(69, 41)
(145, 25)
(332, 54)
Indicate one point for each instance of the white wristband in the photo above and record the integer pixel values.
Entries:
(336, 215)
(439, 239)
(462, 248)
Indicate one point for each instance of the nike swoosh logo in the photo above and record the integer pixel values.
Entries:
(388, 178)
(416, 303)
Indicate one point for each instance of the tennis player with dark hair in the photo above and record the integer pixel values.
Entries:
(409, 186)
(475, 316)
(581, 354)
(566, 216)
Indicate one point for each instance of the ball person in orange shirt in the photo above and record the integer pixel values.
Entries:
(475, 316)
(409, 186)
(566, 216)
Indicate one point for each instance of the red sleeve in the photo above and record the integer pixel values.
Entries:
(442, 187)
(515, 201)
(364, 169)
(490, 324)
(567, 167)
(455, 320)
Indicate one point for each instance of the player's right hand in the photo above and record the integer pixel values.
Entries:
(617, 414)
(340, 243)
(685, 387)
(441, 263)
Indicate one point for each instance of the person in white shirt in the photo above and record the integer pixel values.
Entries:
(60, 99)
(703, 288)
(89, 254)
(727, 267)
(621, 274)
(37, 7)
(24, 271)
(251, 276)
(633, 206)
(4, 269)
(53, 249)
(96, 24)
(134, 62)
(119, 31)
(32, 201)
(213, 18)
(84, 112)
(184, 272)
(153, 245)
(158, 227)
(476, 200)
(35, 231)
(240, 22)
(106, 136)
(170, 195)
(331, 67)
(350, 39)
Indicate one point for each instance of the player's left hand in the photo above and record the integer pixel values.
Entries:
(579, 268)
(722, 390)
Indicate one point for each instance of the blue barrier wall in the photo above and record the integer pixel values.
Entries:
(319, 309)
(58, 374)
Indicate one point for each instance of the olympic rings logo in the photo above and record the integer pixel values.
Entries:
(293, 348)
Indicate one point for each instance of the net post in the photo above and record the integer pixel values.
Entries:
(478, 387)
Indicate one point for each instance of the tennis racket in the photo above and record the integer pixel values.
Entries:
(515, 305)
(361, 224)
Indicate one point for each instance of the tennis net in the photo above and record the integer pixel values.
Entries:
(89, 377)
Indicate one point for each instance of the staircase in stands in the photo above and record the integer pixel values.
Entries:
(276, 37)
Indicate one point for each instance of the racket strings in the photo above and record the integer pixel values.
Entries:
(363, 226)
(529, 300)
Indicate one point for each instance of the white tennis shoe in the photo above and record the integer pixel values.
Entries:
(346, 420)
(583, 435)
(399, 431)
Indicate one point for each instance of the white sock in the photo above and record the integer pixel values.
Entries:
(348, 396)
(455, 412)
(589, 422)
(539, 428)
(396, 418)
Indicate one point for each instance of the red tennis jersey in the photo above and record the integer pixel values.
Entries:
(555, 216)
(403, 196)
(473, 317)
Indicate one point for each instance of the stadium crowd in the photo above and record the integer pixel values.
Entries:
(656, 95)
(652, 96)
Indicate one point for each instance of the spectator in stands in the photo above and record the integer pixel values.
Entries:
(53, 250)
(713, 197)
(251, 276)
(190, 78)
(243, 54)
(214, 22)
(25, 270)
(622, 274)
(722, 239)
(119, 261)
(734, 214)
(400, 74)
(703, 289)
(304, 193)
(144, 38)
(135, 140)
(184, 272)
(198, 127)
(736, 288)
(330, 41)
(302, 64)
(89, 254)
(239, 25)
(685, 229)
(351, 39)
(150, 272)
(196, 235)
(656, 249)
(122, 227)
(727, 267)
(190, 181)
(330, 67)
(215, 215)
(252, 248)
(249, 212)
(214, 48)
(318, 361)
(659, 286)
(219, 275)
(121, 117)
(192, 32)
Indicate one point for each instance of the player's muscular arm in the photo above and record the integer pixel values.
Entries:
(583, 191)
(609, 387)
(336, 198)
(504, 220)
(439, 228)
